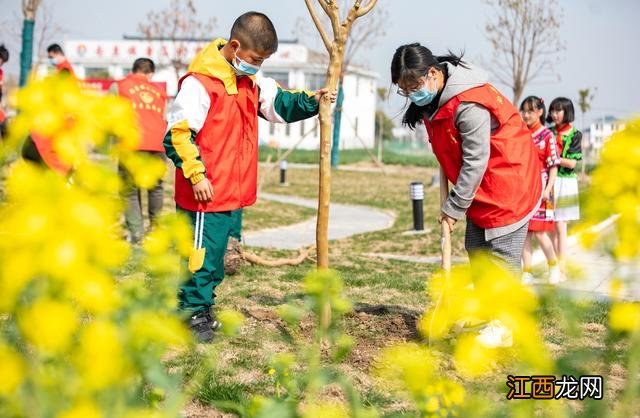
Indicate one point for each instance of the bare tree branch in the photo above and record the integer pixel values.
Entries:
(332, 11)
(366, 9)
(29, 8)
(176, 25)
(46, 31)
(316, 20)
(524, 35)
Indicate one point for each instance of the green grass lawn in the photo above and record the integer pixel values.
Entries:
(388, 296)
(350, 156)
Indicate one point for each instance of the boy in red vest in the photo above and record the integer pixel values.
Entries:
(149, 102)
(212, 138)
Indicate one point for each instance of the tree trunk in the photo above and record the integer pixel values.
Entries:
(337, 119)
(379, 137)
(324, 193)
(518, 87)
(583, 163)
(26, 54)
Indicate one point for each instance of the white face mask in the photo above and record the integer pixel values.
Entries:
(244, 68)
(424, 95)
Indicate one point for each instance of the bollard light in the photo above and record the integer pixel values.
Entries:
(417, 198)
(283, 172)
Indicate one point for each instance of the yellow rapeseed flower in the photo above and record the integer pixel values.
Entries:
(95, 291)
(150, 328)
(625, 316)
(323, 410)
(231, 321)
(406, 365)
(61, 244)
(145, 170)
(606, 197)
(472, 358)
(432, 405)
(12, 371)
(83, 409)
(15, 273)
(100, 358)
(48, 324)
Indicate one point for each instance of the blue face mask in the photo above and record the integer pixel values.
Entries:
(423, 96)
(244, 68)
(53, 61)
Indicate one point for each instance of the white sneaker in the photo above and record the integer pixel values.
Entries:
(527, 278)
(555, 275)
(495, 335)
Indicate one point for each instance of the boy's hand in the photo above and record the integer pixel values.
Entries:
(203, 190)
(322, 92)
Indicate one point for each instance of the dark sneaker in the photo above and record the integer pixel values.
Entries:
(201, 326)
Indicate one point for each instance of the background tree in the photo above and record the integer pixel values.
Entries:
(177, 24)
(341, 29)
(29, 9)
(584, 102)
(45, 33)
(526, 41)
(384, 124)
(362, 37)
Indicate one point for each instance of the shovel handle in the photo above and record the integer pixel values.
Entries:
(444, 227)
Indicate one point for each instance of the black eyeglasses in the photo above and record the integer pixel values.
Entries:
(405, 93)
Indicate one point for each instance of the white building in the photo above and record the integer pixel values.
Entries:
(600, 130)
(294, 66)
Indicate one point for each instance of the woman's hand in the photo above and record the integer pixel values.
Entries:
(448, 219)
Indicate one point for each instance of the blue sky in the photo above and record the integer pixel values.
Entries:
(601, 38)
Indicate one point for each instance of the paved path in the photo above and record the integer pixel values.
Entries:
(423, 259)
(593, 281)
(344, 221)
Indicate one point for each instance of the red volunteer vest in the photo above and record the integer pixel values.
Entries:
(149, 103)
(228, 143)
(48, 154)
(43, 144)
(511, 186)
(65, 66)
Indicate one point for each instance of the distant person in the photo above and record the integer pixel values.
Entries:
(58, 60)
(542, 223)
(149, 102)
(4, 57)
(38, 148)
(569, 140)
(213, 141)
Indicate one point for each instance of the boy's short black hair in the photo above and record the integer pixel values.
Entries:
(4, 53)
(144, 66)
(54, 49)
(562, 103)
(255, 31)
